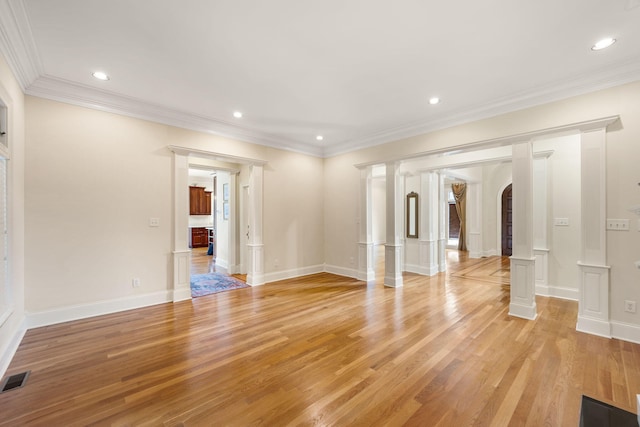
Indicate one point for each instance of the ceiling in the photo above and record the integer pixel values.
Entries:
(357, 72)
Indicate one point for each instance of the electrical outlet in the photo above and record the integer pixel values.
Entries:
(135, 282)
(563, 222)
(154, 222)
(617, 224)
(629, 306)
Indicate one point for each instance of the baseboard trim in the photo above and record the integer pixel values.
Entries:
(597, 327)
(625, 331)
(528, 312)
(83, 311)
(341, 271)
(418, 269)
(222, 266)
(557, 292)
(293, 273)
(181, 295)
(10, 350)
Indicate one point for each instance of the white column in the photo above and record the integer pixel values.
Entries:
(366, 270)
(181, 253)
(234, 240)
(540, 225)
(523, 302)
(395, 209)
(474, 219)
(443, 217)
(255, 270)
(593, 305)
(428, 224)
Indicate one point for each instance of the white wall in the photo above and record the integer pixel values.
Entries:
(496, 178)
(563, 168)
(379, 215)
(223, 234)
(623, 152)
(13, 326)
(96, 178)
(411, 245)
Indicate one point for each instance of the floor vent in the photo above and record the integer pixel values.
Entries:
(15, 381)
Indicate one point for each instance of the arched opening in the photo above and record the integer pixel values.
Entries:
(507, 221)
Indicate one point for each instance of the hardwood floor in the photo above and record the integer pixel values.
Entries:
(201, 263)
(324, 350)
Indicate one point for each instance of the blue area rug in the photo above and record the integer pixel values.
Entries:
(210, 283)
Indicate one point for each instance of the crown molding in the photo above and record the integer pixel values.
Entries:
(227, 158)
(86, 96)
(584, 126)
(613, 75)
(17, 44)
(19, 49)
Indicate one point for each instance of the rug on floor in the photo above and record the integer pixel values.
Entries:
(210, 283)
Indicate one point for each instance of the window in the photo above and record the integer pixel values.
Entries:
(5, 290)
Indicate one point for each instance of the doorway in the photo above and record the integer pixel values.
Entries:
(507, 221)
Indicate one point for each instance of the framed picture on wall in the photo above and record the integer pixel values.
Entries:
(225, 210)
(225, 193)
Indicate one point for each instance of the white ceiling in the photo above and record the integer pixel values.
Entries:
(358, 72)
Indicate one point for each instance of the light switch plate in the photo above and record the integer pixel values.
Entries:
(618, 224)
(562, 222)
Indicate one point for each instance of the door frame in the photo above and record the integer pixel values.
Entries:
(503, 221)
(180, 286)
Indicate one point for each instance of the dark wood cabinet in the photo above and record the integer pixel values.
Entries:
(199, 201)
(207, 202)
(199, 237)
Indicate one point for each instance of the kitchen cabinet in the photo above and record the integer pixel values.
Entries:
(199, 201)
(199, 237)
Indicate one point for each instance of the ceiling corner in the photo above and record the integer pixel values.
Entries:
(17, 43)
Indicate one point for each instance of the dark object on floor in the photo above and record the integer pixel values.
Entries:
(15, 381)
(210, 251)
(594, 413)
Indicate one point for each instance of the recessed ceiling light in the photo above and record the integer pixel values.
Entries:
(319, 137)
(237, 114)
(603, 44)
(435, 100)
(101, 75)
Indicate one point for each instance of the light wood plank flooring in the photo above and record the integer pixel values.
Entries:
(324, 350)
(201, 263)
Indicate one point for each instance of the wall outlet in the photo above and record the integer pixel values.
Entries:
(629, 306)
(154, 222)
(135, 282)
(617, 224)
(563, 222)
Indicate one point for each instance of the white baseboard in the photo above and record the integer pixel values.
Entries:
(291, 274)
(557, 292)
(491, 252)
(10, 350)
(222, 266)
(591, 326)
(83, 311)
(420, 269)
(341, 271)
(181, 294)
(523, 311)
(625, 331)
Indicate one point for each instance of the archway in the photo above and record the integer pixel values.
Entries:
(506, 242)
